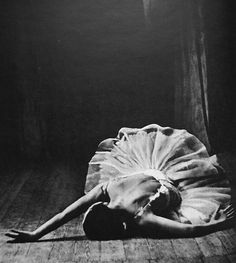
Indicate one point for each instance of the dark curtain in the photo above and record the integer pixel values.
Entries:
(219, 26)
(191, 93)
(204, 46)
(205, 68)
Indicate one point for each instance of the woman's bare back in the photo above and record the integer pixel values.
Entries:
(131, 192)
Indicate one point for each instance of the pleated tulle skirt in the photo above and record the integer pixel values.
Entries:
(176, 153)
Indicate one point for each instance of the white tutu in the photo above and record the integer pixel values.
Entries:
(179, 155)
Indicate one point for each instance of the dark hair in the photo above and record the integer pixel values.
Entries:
(103, 223)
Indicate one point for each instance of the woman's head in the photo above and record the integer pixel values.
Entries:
(103, 223)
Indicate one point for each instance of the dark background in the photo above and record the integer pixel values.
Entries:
(74, 72)
(219, 21)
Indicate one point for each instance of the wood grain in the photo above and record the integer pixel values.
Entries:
(37, 195)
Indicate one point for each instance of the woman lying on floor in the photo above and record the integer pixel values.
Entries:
(152, 181)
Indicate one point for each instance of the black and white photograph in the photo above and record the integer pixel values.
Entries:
(117, 131)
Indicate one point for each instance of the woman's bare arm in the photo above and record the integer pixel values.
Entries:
(150, 223)
(72, 211)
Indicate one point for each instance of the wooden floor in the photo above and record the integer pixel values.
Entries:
(30, 196)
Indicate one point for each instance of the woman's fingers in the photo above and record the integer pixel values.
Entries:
(229, 207)
(12, 235)
(20, 232)
(230, 213)
(20, 236)
(229, 210)
(15, 231)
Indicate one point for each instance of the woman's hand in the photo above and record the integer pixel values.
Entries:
(224, 216)
(21, 236)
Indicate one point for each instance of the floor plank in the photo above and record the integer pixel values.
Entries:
(228, 239)
(90, 249)
(216, 259)
(112, 250)
(39, 251)
(27, 220)
(82, 249)
(187, 249)
(7, 179)
(136, 249)
(211, 245)
(36, 196)
(55, 198)
(161, 250)
(10, 195)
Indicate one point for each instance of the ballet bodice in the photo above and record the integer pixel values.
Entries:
(133, 192)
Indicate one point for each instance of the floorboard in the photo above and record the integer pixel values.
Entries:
(211, 245)
(158, 249)
(187, 249)
(31, 196)
(11, 192)
(136, 249)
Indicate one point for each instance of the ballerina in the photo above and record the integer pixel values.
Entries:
(151, 181)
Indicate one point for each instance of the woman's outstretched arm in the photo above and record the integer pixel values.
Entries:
(154, 225)
(72, 211)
